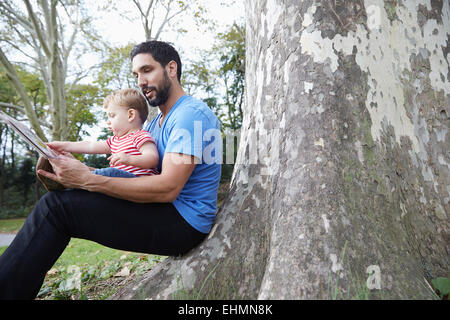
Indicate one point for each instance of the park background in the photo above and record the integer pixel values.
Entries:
(347, 195)
(93, 40)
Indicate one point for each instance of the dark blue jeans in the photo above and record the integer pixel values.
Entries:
(155, 228)
(114, 172)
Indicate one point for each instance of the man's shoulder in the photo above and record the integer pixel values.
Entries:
(190, 103)
(195, 109)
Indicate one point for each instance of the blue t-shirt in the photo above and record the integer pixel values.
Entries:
(192, 128)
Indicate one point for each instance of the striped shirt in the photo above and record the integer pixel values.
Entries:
(130, 144)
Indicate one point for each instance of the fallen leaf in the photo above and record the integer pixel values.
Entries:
(52, 271)
(125, 272)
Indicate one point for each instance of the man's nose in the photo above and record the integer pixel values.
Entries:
(141, 81)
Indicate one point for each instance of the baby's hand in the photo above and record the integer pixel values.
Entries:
(118, 158)
(58, 146)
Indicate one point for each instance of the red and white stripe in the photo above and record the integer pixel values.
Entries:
(130, 144)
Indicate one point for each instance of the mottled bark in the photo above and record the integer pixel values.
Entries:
(350, 197)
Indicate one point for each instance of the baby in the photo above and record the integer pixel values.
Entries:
(133, 150)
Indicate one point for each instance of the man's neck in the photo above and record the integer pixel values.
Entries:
(177, 93)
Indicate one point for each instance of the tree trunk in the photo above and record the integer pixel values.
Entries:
(18, 86)
(340, 188)
(3, 130)
(51, 53)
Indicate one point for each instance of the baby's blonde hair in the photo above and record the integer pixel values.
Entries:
(130, 99)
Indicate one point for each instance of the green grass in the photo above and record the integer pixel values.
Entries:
(79, 252)
(11, 225)
(97, 266)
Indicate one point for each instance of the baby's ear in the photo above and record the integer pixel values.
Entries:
(132, 113)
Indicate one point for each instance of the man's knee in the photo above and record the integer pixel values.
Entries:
(57, 201)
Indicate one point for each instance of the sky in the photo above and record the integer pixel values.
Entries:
(120, 31)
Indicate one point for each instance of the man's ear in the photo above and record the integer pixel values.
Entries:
(172, 68)
(132, 113)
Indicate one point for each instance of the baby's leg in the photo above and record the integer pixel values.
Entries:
(114, 172)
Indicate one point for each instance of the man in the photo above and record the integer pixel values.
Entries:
(166, 214)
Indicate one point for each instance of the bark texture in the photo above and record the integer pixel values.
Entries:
(349, 197)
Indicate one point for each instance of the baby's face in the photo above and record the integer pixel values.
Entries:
(118, 120)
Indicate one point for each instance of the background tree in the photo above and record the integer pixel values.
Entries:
(80, 101)
(158, 18)
(46, 35)
(231, 48)
(26, 177)
(217, 78)
(16, 176)
(115, 71)
(346, 195)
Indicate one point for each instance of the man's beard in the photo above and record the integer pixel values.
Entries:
(162, 93)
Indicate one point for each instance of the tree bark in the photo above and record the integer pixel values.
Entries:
(340, 188)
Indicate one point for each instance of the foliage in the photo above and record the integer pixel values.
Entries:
(232, 71)
(115, 71)
(46, 38)
(34, 86)
(81, 99)
(96, 161)
(87, 270)
(19, 188)
(442, 286)
(219, 76)
(25, 177)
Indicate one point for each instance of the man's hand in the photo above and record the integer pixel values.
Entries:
(68, 171)
(119, 158)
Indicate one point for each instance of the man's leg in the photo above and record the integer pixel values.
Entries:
(58, 216)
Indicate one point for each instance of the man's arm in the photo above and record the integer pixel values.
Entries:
(165, 187)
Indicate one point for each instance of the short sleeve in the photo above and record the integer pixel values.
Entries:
(186, 133)
(109, 141)
(142, 137)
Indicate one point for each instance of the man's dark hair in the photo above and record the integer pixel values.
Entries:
(160, 51)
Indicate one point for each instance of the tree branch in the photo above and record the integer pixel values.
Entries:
(19, 49)
(167, 18)
(9, 12)
(13, 106)
(37, 28)
(17, 84)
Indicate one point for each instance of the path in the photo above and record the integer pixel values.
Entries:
(6, 239)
